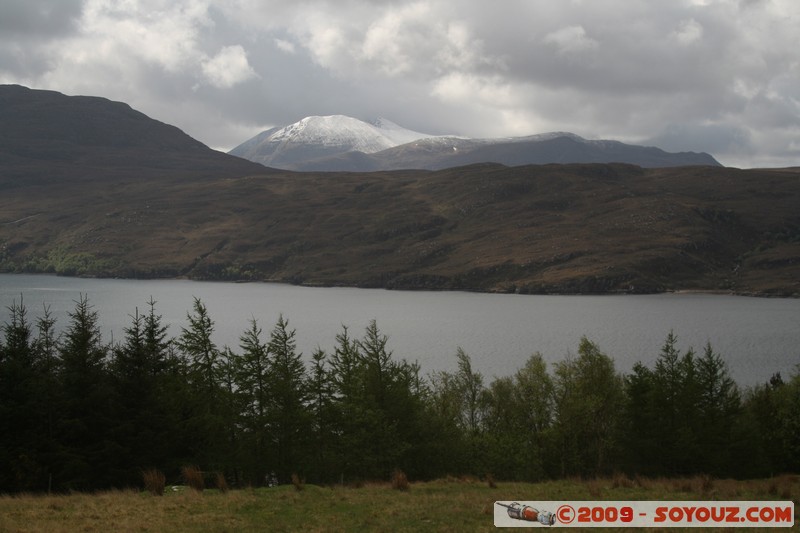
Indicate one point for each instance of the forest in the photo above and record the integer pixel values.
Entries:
(80, 414)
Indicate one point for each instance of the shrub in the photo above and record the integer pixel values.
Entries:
(154, 481)
(193, 477)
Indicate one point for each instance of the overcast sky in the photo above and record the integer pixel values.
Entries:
(721, 76)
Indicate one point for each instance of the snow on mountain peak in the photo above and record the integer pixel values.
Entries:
(333, 131)
(324, 136)
(349, 133)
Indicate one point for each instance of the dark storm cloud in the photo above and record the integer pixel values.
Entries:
(38, 18)
(714, 75)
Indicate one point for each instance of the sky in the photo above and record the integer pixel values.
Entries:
(720, 76)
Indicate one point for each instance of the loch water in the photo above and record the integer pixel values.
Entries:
(756, 336)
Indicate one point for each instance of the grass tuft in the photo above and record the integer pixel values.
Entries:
(706, 484)
(221, 482)
(193, 477)
(399, 480)
(154, 481)
(622, 481)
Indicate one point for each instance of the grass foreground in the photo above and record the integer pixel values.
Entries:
(451, 504)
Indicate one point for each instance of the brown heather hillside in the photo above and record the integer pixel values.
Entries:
(544, 229)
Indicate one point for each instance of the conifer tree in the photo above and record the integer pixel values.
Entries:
(675, 396)
(202, 354)
(87, 415)
(322, 412)
(144, 426)
(288, 393)
(349, 408)
(19, 408)
(640, 434)
(252, 376)
(45, 347)
(718, 409)
(204, 419)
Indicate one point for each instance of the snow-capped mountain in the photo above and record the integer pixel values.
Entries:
(319, 137)
(341, 143)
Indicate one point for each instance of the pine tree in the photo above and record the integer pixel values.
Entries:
(45, 347)
(718, 409)
(322, 412)
(349, 408)
(144, 424)
(251, 376)
(202, 354)
(19, 408)
(643, 451)
(87, 416)
(289, 420)
(204, 420)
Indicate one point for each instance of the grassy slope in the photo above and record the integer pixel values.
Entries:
(572, 228)
(446, 505)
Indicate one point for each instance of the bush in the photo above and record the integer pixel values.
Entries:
(154, 481)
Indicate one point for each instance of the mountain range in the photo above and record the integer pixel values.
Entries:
(91, 187)
(341, 143)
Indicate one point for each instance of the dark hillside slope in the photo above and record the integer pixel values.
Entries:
(544, 229)
(45, 134)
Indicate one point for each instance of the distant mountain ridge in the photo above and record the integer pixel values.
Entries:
(341, 143)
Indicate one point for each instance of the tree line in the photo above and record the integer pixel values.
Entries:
(80, 414)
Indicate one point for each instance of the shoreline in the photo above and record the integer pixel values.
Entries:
(551, 291)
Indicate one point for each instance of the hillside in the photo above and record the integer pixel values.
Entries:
(92, 187)
(340, 143)
(47, 136)
(549, 229)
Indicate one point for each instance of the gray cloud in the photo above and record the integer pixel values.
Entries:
(714, 75)
(38, 18)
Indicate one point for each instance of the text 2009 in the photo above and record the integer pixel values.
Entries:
(605, 514)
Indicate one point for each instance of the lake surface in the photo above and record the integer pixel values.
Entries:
(756, 336)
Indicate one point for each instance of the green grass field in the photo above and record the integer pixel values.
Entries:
(445, 505)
